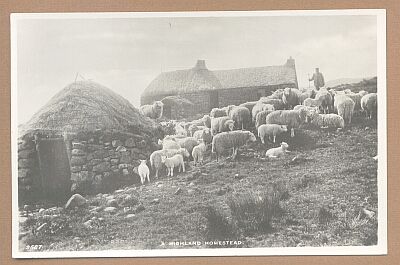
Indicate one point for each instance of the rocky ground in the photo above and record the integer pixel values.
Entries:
(328, 186)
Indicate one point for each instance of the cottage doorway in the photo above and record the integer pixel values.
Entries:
(54, 168)
(214, 101)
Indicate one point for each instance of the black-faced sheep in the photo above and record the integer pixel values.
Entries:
(369, 104)
(153, 111)
(344, 107)
(234, 140)
(241, 116)
(221, 124)
(291, 97)
(270, 130)
(291, 118)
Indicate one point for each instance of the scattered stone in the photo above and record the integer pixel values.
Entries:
(78, 152)
(95, 209)
(26, 153)
(131, 215)
(160, 185)
(113, 203)
(88, 224)
(125, 172)
(116, 143)
(121, 149)
(109, 197)
(190, 191)
(118, 191)
(191, 184)
(26, 163)
(367, 128)
(75, 200)
(110, 209)
(78, 145)
(41, 210)
(179, 190)
(76, 169)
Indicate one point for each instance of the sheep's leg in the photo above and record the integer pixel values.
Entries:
(292, 132)
(183, 166)
(262, 140)
(172, 171)
(274, 138)
(157, 173)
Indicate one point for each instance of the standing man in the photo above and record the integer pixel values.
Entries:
(318, 79)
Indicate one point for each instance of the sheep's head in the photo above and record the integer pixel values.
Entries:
(143, 162)
(184, 152)
(362, 93)
(160, 142)
(268, 107)
(284, 145)
(163, 158)
(284, 128)
(230, 124)
(252, 137)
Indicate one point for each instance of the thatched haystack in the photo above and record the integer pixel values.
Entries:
(87, 106)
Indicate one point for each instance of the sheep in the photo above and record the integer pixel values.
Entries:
(204, 121)
(260, 107)
(155, 157)
(291, 118)
(356, 97)
(277, 103)
(306, 93)
(144, 172)
(290, 97)
(369, 105)
(204, 135)
(221, 124)
(240, 115)
(309, 110)
(172, 162)
(270, 130)
(249, 105)
(153, 111)
(169, 143)
(198, 153)
(261, 116)
(216, 113)
(188, 143)
(180, 130)
(277, 94)
(344, 107)
(325, 99)
(327, 120)
(234, 140)
(193, 128)
(277, 151)
(310, 102)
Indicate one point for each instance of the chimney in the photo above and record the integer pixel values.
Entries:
(290, 62)
(201, 65)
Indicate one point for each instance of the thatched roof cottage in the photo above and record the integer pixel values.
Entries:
(209, 89)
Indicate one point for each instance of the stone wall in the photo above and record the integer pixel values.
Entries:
(99, 162)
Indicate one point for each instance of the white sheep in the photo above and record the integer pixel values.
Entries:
(291, 118)
(241, 116)
(270, 130)
(344, 107)
(198, 153)
(277, 151)
(261, 117)
(144, 172)
(172, 162)
(325, 99)
(216, 113)
(306, 93)
(291, 97)
(327, 120)
(249, 105)
(234, 140)
(221, 124)
(155, 157)
(188, 143)
(153, 111)
(356, 97)
(369, 104)
(169, 143)
(260, 107)
(311, 102)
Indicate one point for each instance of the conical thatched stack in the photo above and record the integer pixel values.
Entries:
(87, 106)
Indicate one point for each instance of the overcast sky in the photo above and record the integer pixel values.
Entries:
(126, 54)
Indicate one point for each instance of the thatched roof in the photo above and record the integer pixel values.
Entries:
(200, 78)
(87, 106)
(177, 101)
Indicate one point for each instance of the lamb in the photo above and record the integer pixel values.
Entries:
(291, 118)
(153, 111)
(306, 93)
(234, 140)
(270, 130)
(260, 107)
(277, 103)
(261, 117)
(369, 104)
(327, 120)
(216, 113)
(325, 99)
(155, 157)
(144, 172)
(240, 115)
(278, 151)
(291, 97)
(198, 153)
(172, 162)
(221, 124)
(344, 107)
(310, 102)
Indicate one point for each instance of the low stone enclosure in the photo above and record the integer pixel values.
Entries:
(52, 166)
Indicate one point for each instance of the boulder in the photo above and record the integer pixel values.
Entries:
(113, 203)
(81, 176)
(76, 200)
(102, 167)
(110, 209)
(78, 152)
(75, 169)
(78, 146)
(121, 149)
(95, 161)
(100, 153)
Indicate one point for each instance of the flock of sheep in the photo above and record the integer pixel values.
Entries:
(231, 127)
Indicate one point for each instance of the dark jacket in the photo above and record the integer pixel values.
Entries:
(318, 79)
